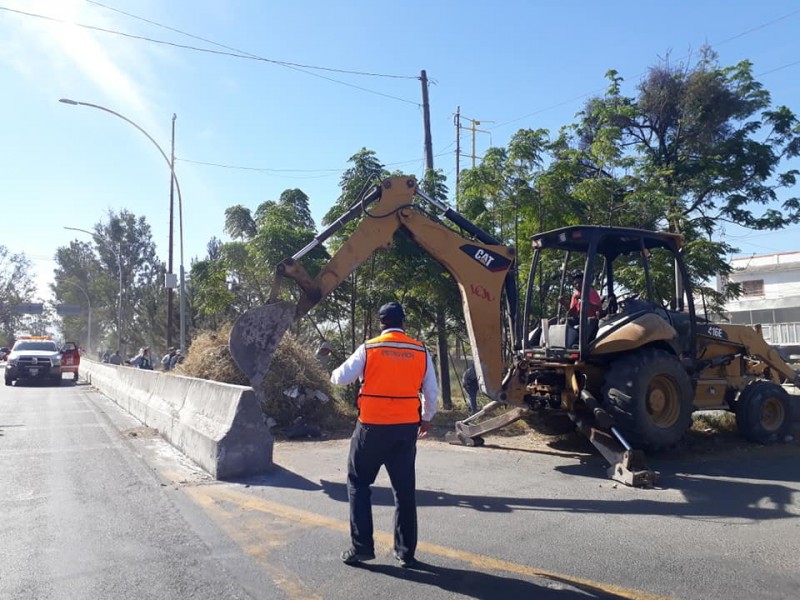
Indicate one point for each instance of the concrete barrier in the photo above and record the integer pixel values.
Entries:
(219, 426)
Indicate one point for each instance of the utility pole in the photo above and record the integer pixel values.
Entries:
(475, 130)
(457, 122)
(426, 120)
(169, 283)
(441, 329)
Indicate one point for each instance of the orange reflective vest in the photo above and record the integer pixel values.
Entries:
(393, 376)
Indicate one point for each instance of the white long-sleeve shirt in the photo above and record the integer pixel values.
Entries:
(353, 368)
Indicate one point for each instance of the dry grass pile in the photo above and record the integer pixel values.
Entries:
(713, 423)
(294, 369)
(210, 358)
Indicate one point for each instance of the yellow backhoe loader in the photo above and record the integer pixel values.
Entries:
(629, 370)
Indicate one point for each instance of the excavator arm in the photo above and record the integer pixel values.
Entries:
(763, 360)
(479, 264)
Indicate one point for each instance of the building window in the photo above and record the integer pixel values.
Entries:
(754, 287)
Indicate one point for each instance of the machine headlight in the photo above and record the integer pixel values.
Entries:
(56, 361)
(12, 362)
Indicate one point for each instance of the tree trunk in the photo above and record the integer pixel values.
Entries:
(444, 361)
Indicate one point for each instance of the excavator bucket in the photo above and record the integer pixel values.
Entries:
(255, 336)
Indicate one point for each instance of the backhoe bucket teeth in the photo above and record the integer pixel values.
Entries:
(255, 336)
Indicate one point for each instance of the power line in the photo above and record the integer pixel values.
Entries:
(300, 172)
(756, 28)
(220, 53)
(596, 91)
(264, 169)
(244, 52)
(786, 66)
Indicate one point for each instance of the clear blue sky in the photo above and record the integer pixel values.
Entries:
(510, 64)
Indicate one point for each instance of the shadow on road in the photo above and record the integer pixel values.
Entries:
(706, 497)
(42, 383)
(282, 478)
(476, 584)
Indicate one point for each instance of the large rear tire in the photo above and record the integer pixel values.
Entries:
(764, 412)
(650, 397)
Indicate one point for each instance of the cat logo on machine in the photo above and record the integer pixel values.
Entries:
(484, 257)
(491, 260)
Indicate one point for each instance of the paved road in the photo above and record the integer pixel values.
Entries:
(94, 505)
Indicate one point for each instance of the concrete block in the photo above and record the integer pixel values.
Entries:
(219, 426)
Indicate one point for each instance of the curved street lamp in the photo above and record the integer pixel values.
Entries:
(108, 244)
(89, 319)
(174, 181)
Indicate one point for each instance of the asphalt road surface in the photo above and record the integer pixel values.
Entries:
(94, 505)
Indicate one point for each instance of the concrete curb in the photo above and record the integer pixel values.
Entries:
(219, 426)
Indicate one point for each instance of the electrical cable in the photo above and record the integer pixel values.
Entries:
(597, 91)
(244, 52)
(210, 51)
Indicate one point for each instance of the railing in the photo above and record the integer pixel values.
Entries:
(781, 334)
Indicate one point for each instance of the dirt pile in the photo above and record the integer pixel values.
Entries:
(297, 390)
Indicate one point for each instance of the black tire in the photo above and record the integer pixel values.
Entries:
(650, 397)
(743, 395)
(764, 413)
(9, 381)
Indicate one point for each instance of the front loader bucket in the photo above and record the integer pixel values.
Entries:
(255, 336)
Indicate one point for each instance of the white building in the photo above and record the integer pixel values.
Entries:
(770, 296)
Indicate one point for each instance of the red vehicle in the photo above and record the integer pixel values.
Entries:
(70, 359)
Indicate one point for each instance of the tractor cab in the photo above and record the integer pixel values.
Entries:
(601, 290)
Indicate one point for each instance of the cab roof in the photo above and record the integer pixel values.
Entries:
(612, 241)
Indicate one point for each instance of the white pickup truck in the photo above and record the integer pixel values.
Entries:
(34, 359)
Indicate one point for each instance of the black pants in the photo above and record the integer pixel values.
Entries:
(395, 447)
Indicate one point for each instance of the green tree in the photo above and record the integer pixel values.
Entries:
(350, 305)
(122, 255)
(213, 296)
(80, 281)
(16, 286)
(698, 147)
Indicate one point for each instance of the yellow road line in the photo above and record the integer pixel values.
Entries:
(212, 498)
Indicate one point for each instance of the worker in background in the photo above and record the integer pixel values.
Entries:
(166, 360)
(393, 367)
(176, 359)
(143, 359)
(573, 304)
(470, 382)
(323, 355)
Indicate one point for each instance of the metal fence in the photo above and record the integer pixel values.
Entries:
(781, 334)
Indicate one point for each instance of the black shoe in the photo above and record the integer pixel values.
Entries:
(351, 556)
(406, 563)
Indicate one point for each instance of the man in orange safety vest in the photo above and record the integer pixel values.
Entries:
(394, 369)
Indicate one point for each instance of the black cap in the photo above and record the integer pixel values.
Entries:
(391, 314)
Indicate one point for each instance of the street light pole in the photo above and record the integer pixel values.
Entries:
(99, 238)
(173, 180)
(89, 318)
(171, 228)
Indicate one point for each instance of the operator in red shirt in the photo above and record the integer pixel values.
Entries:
(573, 304)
